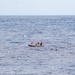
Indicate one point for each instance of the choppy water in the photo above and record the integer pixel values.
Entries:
(56, 57)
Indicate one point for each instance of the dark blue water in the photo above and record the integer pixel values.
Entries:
(56, 57)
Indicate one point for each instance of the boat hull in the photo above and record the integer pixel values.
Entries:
(32, 45)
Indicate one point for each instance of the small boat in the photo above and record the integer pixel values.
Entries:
(35, 45)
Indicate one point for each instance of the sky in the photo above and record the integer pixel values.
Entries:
(37, 7)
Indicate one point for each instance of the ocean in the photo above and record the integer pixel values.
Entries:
(56, 57)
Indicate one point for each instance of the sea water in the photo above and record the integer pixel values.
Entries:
(56, 57)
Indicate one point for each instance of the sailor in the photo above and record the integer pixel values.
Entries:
(37, 43)
(40, 43)
(31, 42)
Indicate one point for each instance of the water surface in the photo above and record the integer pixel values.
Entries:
(56, 57)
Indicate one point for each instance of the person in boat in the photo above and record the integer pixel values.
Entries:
(39, 43)
(31, 43)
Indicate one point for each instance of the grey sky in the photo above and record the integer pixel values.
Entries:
(37, 7)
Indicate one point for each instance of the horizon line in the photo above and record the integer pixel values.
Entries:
(35, 15)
